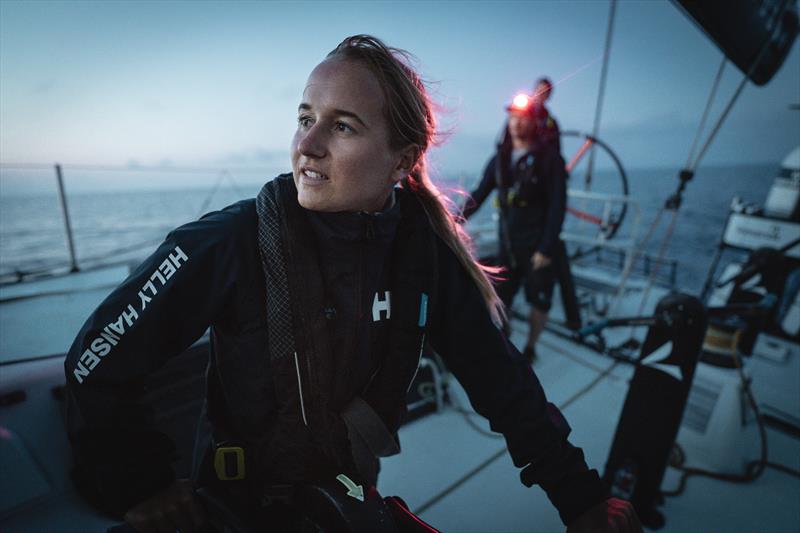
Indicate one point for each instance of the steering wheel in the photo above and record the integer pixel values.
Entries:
(608, 217)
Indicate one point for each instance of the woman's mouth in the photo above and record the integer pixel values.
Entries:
(313, 176)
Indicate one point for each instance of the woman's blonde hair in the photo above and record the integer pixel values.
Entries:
(412, 122)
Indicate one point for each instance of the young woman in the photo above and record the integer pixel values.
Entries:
(320, 294)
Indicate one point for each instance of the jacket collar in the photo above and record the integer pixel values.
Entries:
(350, 226)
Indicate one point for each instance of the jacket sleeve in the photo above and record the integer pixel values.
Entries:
(157, 312)
(503, 388)
(479, 195)
(555, 176)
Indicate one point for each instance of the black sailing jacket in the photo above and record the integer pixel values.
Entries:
(208, 274)
(537, 183)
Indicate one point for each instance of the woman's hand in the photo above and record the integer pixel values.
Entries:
(175, 508)
(539, 260)
(611, 516)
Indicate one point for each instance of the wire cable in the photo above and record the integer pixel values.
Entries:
(754, 469)
(709, 103)
(753, 66)
(662, 250)
(637, 252)
(601, 92)
(499, 453)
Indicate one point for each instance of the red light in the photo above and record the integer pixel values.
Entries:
(521, 102)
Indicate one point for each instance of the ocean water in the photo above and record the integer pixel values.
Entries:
(114, 226)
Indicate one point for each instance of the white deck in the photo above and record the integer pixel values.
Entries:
(438, 450)
(41, 318)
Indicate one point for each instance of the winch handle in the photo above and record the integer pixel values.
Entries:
(765, 305)
(596, 327)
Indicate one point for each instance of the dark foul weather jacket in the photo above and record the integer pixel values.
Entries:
(208, 274)
(533, 193)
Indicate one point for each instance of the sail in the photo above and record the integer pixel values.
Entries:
(741, 29)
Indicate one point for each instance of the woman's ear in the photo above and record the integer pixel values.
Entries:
(405, 163)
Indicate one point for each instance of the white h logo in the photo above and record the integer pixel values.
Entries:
(379, 306)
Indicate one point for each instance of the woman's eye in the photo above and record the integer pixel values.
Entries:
(343, 127)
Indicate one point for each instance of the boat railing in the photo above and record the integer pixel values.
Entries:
(622, 252)
(608, 203)
(78, 257)
(590, 240)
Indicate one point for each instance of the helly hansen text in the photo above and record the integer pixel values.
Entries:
(102, 345)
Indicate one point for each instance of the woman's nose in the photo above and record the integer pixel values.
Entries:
(312, 142)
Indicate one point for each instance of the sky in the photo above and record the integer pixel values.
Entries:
(216, 84)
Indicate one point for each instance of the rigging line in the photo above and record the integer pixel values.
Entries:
(211, 194)
(735, 96)
(601, 92)
(48, 269)
(574, 358)
(718, 125)
(122, 250)
(460, 481)
(502, 451)
(637, 252)
(122, 168)
(233, 183)
(709, 103)
(754, 469)
(475, 427)
(659, 260)
(700, 155)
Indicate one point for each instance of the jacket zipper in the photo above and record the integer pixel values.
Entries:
(370, 228)
(419, 359)
(300, 389)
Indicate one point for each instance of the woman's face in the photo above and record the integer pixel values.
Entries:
(341, 157)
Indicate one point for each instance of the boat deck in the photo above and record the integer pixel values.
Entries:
(465, 481)
(452, 469)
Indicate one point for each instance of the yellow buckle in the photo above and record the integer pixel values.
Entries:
(224, 467)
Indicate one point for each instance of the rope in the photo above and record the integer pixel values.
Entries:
(659, 259)
(636, 254)
(502, 451)
(601, 92)
(753, 66)
(224, 174)
(709, 103)
(721, 119)
(674, 202)
(122, 250)
(754, 469)
(122, 168)
(211, 194)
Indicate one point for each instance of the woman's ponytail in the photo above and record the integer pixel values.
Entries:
(412, 123)
(455, 236)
